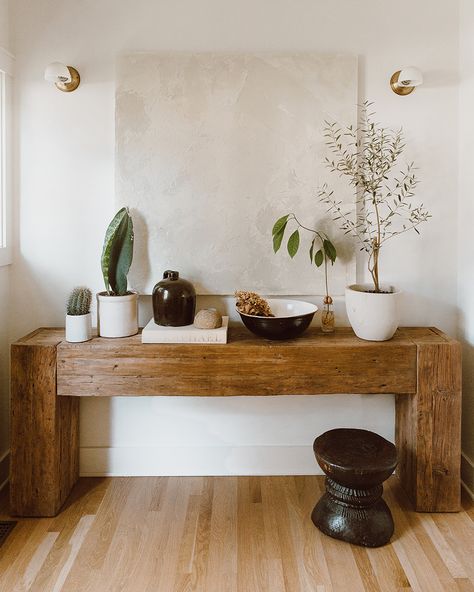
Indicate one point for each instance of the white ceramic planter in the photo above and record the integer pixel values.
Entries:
(373, 316)
(117, 316)
(78, 328)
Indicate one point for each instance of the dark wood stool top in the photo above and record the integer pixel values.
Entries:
(355, 458)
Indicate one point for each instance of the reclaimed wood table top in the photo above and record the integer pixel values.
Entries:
(314, 363)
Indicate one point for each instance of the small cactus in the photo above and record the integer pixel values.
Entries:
(79, 301)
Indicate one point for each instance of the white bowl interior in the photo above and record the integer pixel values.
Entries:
(286, 308)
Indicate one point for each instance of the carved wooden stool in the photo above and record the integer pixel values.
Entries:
(356, 463)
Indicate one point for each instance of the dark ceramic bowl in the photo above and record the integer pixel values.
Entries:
(292, 317)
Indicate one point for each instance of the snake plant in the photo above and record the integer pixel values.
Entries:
(117, 253)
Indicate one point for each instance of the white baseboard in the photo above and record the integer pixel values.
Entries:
(203, 460)
(4, 469)
(206, 460)
(467, 474)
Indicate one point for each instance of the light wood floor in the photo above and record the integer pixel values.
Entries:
(219, 534)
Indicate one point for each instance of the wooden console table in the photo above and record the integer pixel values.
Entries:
(421, 366)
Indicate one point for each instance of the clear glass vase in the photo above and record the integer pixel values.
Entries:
(327, 316)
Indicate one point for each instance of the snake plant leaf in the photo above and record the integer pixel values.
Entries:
(122, 256)
(117, 252)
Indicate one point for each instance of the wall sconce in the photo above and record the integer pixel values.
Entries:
(65, 78)
(403, 82)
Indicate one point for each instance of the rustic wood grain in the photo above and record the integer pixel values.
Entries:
(44, 430)
(420, 365)
(312, 364)
(428, 428)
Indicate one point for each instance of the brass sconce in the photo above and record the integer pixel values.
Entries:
(65, 78)
(404, 81)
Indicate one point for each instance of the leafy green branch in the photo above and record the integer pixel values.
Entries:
(326, 253)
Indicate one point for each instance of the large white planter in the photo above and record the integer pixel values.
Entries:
(78, 328)
(117, 316)
(373, 316)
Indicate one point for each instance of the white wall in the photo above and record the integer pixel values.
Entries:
(66, 197)
(4, 25)
(5, 303)
(466, 220)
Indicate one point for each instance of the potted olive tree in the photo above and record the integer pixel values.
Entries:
(78, 315)
(117, 305)
(368, 155)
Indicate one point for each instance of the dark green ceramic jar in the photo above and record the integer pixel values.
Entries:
(174, 301)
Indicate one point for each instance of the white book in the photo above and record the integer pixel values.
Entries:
(154, 333)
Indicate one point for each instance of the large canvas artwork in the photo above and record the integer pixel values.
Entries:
(212, 148)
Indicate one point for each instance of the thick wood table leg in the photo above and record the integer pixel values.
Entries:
(44, 431)
(428, 428)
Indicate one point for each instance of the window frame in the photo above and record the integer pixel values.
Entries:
(6, 105)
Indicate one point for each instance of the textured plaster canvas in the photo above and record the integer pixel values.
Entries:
(212, 148)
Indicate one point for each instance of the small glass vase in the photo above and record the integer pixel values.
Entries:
(327, 316)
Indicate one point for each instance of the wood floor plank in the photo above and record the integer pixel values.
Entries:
(222, 558)
(412, 554)
(37, 561)
(203, 532)
(457, 529)
(365, 569)
(276, 579)
(438, 561)
(227, 534)
(19, 550)
(91, 556)
(454, 566)
(250, 540)
(465, 585)
(76, 541)
(308, 541)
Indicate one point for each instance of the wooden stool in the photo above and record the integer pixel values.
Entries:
(356, 463)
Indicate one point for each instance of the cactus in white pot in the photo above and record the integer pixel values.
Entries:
(78, 315)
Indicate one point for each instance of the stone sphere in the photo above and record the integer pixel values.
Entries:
(208, 318)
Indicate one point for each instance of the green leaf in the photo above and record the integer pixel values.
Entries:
(279, 224)
(293, 243)
(311, 250)
(124, 252)
(109, 243)
(330, 250)
(277, 238)
(319, 258)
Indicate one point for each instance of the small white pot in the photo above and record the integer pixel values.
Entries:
(78, 328)
(117, 316)
(373, 316)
